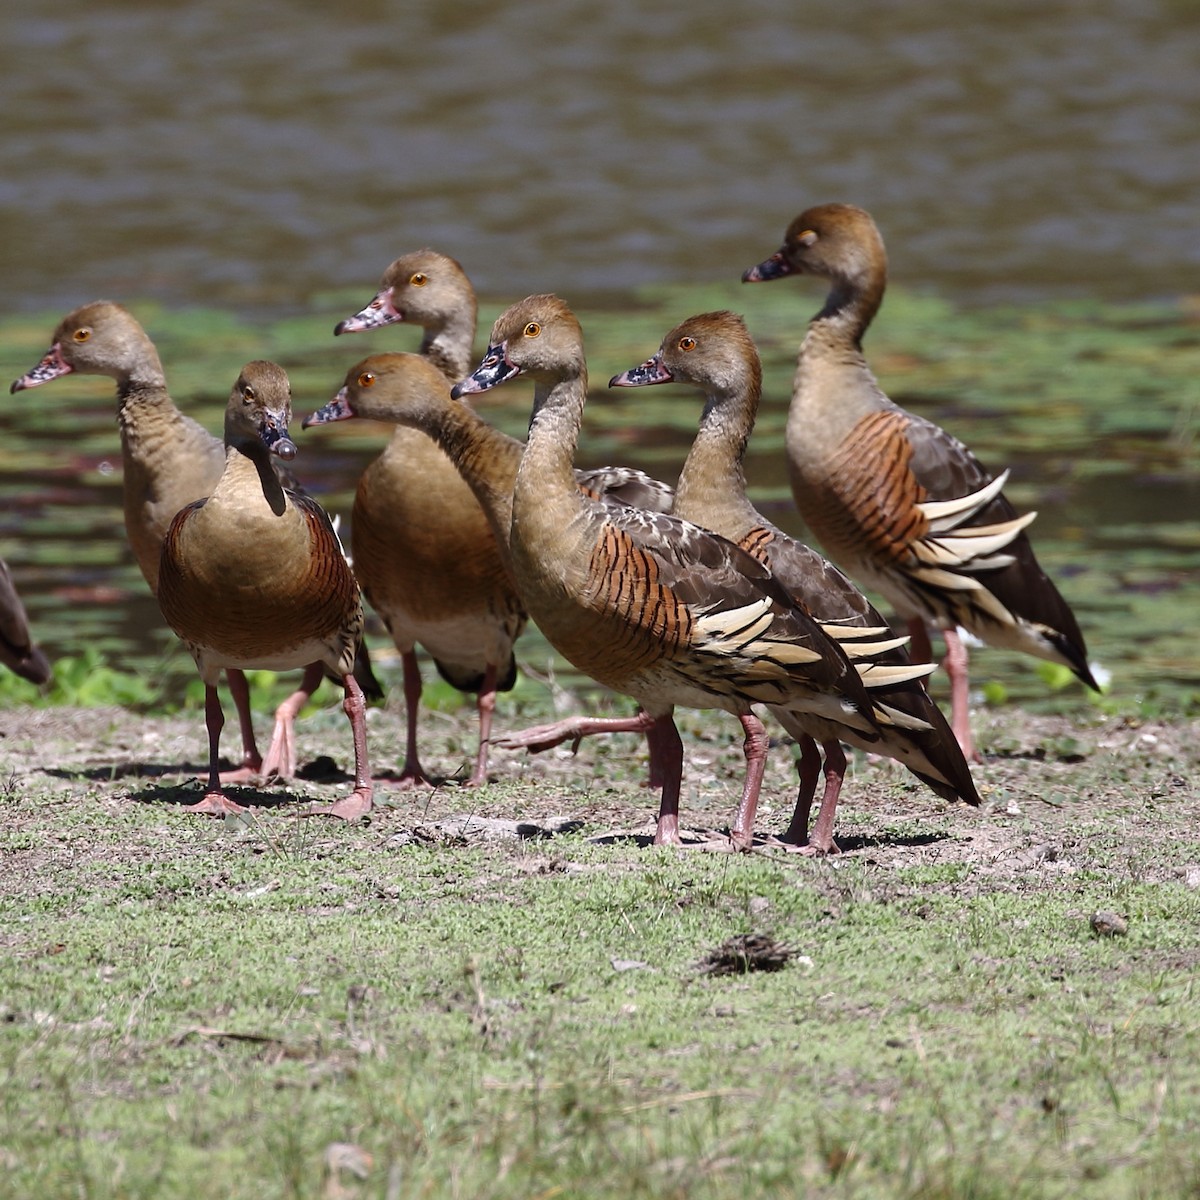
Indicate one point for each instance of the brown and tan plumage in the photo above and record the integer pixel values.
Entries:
(422, 547)
(647, 604)
(17, 649)
(404, 389)
(898, 503)
(253, 576)
(714, 351)
(169, 460)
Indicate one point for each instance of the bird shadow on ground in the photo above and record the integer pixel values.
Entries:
(191, 786)
(847, 845)
(718, 840)
(185, 794)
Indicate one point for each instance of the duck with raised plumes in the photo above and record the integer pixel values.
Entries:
(898, 503)
(714, 352)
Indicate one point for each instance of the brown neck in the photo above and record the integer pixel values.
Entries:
(849, 309)
(448, 346)
(486, 458)
(712, 485)
(247, 462)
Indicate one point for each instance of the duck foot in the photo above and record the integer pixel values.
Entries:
(350, 808)
(248, 772)
(215, 804)
(808, 849)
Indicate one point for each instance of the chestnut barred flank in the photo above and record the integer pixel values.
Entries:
(896, 501)
(715, 353)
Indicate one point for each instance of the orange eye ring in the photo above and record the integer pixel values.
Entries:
(366, 379)
(418, 279)
(532, 329)
(82, 335)
(687, 343)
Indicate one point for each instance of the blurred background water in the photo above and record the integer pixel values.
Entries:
(255, 159)
(252, 154)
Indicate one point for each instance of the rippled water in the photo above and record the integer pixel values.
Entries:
(252, 155)
(259, 161)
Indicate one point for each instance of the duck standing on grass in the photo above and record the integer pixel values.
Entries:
(254, 577)
(422, 548)
(897, 502)
(714, 352)
(646, 604)
(168, 460)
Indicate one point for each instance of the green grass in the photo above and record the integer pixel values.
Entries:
(192, 1008)
(195, 1008)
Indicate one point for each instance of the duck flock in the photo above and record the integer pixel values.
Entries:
(681, 595)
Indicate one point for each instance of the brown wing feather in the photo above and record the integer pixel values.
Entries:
(947, 469)
(665, 578)
(872, 479)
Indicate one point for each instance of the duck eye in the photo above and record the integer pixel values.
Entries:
(807, 238)
(248, 394)
(419, 279)
(687, 343)
(366, 379)
(532, 329)
(82, 335)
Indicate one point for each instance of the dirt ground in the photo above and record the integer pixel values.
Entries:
(1060, 795)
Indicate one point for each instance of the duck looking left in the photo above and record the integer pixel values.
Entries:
(168, 461)
(254, 576)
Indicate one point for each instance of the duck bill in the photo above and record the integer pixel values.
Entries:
(775, 267)
(494, 369)
(51, 367)
(274, 434)
(651, 371)
(381, 311)
(338, 409)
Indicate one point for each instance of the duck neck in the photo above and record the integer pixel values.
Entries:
(548, 464)
(448, 345)
(142, 382)
(486, 458)
(712, 485)
(138, 370)
(550, 516)
(849, 309)
(248, 468)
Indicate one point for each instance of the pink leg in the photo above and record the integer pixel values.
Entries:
(251, 764)
(821, 841)
(755, 749)
(960, 715)
(215, 801)
(662, 738)
(280, 762)
(411, 774)
(486, 706)
(655, 775)
(808, 767)
(358, 803)
(666, 749)
(575, 729)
